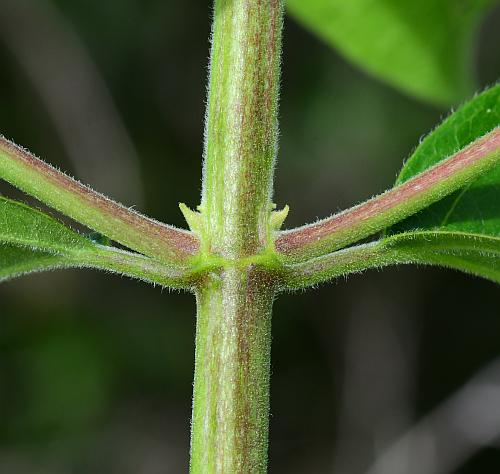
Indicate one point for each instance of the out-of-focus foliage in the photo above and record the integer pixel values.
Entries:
(423, 47)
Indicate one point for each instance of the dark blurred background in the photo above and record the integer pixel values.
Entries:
(390, 372)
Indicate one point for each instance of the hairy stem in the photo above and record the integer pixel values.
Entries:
(108, 259)
(231, 396)
(135, 266)
(231, 389)
(467, 252)
(54, 188)
(241, 130)
(361, 221)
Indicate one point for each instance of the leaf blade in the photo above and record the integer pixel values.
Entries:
(23, 225)
(475, 208)
(32, 241)
(472, 211)
(17, 261)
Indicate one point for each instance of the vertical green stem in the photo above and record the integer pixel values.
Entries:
(231, 396)
(231, 388)
(242, 127)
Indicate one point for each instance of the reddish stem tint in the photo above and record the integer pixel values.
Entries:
(292, 241)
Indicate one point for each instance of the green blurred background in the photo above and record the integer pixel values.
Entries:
(96, 370)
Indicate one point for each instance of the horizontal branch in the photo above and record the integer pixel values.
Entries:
(68, 196)
(135, 266)
(471, 253)
(21, 260)
(340, 230)
(322, 269)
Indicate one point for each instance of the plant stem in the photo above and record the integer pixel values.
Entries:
(22, 169)
(231, 396)
(241, 130)
(231, 388)
(340, 230)
(463, 251)
(109, 259)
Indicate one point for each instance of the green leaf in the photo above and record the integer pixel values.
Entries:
(24, 226)
(474, 210)
(16, 261)
(422, 47)
(33, 241)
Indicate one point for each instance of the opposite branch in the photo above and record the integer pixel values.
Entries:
(378, 213)
(459, 250)
(68, 196)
